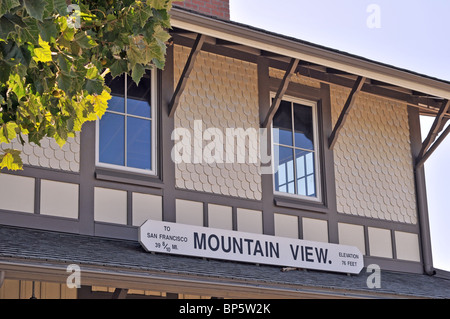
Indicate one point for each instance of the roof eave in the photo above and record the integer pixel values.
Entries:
(270, 42)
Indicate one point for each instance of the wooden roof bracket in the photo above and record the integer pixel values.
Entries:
(173, 104)
(347, 107)
(438, 124)
(120, 293)
(281, 90)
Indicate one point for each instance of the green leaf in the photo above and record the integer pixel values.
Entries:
(48, 9)
(143, 14)
(11, 160)
(137, 72)
(92, 71)
(157, 51)
(63, 63)
(159, 63)
(118, 68)
(48, 31)
(7, 5)
(6, 69)
(64, 81)
(60, 7)
(161, 35)
(8, 132)
(29, 33)
(13, 54)
(157, 4)
(139, 52)
(60, 140)
(69, 34)
(17, 87)
(43, 54)
(162, 17)
(94, 86)
(100, 102)
(55, 99)
(84, 41)
(35, 8)
(8, 23)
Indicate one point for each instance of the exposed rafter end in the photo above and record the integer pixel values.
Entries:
(346, 109)
(428, 147)
(173, 104)
(269, 54)
(281, 90)
(380, 83)
(336, 71)
(421, 161)
(437, 126)
(120, 293)
(227, 43)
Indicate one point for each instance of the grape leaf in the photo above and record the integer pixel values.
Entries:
(43, 54)
(35, 8)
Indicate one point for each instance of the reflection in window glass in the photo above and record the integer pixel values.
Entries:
(125, 137)
(138, 143)
(138, 108)
(138, 97)
(303, 126)
(296, 150)
(117, 104)
(112, 139)
(283, 121)
(301, 185)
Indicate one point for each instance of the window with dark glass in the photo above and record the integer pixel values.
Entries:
(125, 130)
(296, 148)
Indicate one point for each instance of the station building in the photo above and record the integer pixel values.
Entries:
(349, 171)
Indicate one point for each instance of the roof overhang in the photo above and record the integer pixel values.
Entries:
(126, 265)
(184, 284)
(258, 39)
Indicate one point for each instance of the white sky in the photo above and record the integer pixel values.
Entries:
(410, 34)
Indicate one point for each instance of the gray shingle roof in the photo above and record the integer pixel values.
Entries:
(45, 246)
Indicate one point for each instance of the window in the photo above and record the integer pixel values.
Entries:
(126, 132)
(296, 146)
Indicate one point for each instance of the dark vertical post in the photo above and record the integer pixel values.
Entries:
(421, 191)
(87, 177)
(166, 127)
(327, 168)
(266, 179)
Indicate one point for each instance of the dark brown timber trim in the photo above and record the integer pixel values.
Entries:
(421, 193)
(422, 160)
(185, 75)
(348, 105)
(427, 104)
(281, 90)
(119, 293)
(437, 126)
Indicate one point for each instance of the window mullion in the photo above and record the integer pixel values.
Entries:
(126, 119)
(306, 174)
(293, 149)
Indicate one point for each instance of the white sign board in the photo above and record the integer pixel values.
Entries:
(181, 239)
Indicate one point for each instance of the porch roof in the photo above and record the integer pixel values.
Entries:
(31, 254)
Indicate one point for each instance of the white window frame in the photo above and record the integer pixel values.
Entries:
(154, 123)
(317, 158)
